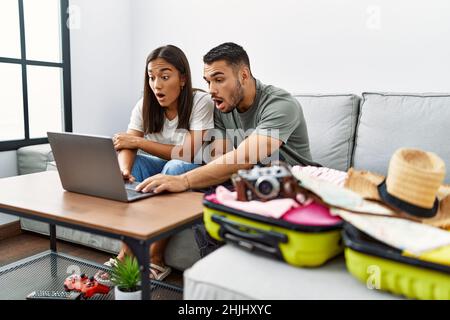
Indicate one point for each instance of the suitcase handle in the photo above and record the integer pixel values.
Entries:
(250, 237)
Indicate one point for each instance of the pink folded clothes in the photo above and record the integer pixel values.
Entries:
(273, 208)
(310, 214)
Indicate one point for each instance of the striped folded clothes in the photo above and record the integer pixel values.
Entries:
(326, 174)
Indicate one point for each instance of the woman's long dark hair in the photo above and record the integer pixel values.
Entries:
(152, 112)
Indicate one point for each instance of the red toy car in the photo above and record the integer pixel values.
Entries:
(87, 286)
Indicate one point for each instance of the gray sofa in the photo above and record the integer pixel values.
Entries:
(344, 131)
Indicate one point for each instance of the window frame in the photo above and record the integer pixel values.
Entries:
(66, 81)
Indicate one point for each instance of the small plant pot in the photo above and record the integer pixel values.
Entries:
(123, 295)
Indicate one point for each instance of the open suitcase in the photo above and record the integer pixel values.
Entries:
(386, 268)
(297, 244)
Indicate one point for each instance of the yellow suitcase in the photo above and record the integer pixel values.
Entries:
(297, 244)
(382, 267)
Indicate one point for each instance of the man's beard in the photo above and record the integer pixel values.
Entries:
(237, 96)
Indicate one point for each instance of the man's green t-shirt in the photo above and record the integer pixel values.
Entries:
(275, 113)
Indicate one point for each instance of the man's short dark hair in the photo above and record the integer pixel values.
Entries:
(231, 52)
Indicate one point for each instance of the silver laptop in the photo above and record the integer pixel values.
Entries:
(88, 164)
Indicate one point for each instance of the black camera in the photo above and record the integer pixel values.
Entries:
(265, 183)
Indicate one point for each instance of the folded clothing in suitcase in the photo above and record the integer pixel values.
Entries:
(386, 268)
(306, 236)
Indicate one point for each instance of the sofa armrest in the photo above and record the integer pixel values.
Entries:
(33, 159)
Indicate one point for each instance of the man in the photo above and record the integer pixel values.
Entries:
(267, 120)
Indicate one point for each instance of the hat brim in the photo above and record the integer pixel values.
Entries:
(405, 206)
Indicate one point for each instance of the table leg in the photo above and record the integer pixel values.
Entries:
(53, 248)
(52, 230)
(140, 249)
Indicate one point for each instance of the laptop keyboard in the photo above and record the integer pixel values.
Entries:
(131, 192)
(131, 186)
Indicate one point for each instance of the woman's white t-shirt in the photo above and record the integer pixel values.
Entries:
(202, 118)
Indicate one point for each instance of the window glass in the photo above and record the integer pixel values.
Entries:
(45, 106)
(11, 102)
(42, 30)
(9, 29)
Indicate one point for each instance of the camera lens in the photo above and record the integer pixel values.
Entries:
(265, 187)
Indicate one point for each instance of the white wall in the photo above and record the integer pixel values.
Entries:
(308, 45)
(101, 66)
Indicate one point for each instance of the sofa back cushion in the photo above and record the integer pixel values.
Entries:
(389, 121)
(331, 121)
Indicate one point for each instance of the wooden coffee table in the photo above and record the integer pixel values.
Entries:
(41, 197)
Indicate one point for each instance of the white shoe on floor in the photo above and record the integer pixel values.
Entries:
(164, 271)
(111, 262)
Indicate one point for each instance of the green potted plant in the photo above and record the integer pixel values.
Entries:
(126, 278)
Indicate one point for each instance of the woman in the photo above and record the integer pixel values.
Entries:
(168, 125)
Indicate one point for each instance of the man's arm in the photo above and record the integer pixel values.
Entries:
(252, 150)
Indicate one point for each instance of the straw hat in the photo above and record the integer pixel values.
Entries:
(413, 184)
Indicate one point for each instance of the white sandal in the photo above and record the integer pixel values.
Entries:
(160, 276)
(111, 262)
(163, 272)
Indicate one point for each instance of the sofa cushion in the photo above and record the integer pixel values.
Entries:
(33, 159)
(234, 273)
(331, 122)
(389, 121)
